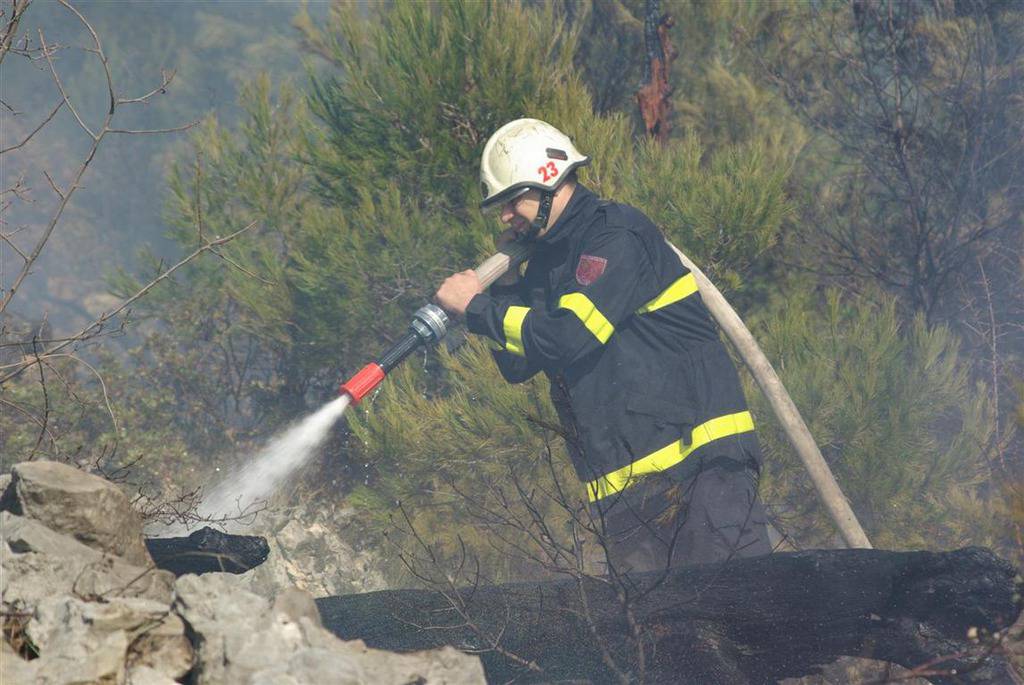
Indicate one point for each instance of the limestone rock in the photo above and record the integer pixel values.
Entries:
(313, 551)
(296, 604)
(72, 560)
(314, 666)
(88, 642)
(444, 666)
(162, 651)
(71, 649)
(242, 638)
(67, 500)
(13, 668)
(143, 675)
(38, 563)
(25, 535)
(221, 618)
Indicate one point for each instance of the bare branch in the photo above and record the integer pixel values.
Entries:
(94, 327)
(46, 405)
(97, 138)
(33, 418)
(60, 86)
(137, 132)
(241, 268)
(100, 53)
(99, 377)
(36, 130)
(53, 185)
(6, 237)
(167, 77)
(27, 267)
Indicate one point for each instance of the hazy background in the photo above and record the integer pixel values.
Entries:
(212, 48)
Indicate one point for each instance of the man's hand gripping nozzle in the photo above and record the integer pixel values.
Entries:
(429, 325)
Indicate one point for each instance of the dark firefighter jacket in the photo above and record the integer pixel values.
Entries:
(638, 374)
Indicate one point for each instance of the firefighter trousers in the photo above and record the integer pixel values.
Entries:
(711, 517)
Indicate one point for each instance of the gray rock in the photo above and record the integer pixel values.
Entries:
(143, 675)
(13, 668)
(445, 666)
(296, 604)
(25, 535)
(241, 638)
(222, 617)
(312, 550)
(66, 542)
(272, 576)
(38, 563)
(67, 500)
(313, 665)
(89, 642)
(71, 649)
(163, 650)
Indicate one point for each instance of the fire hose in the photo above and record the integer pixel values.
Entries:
(430, 324)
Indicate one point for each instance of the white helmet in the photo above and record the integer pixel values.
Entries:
(524, 154)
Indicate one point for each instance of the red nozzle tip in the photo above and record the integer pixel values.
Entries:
(360, 385)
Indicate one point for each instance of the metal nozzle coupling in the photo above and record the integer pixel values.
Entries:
(430, 323)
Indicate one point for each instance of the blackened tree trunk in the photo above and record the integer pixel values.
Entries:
(748, 621)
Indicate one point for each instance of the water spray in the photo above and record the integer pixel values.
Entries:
(288, 451)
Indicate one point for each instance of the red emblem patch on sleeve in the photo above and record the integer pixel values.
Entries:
(590, 269)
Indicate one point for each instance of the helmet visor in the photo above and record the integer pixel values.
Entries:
(495, 203)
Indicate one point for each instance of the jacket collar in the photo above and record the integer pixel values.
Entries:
(577, 212)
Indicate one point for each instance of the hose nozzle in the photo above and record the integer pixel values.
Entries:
(429, 325)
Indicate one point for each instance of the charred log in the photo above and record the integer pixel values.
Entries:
(208, 550)
(748, 621)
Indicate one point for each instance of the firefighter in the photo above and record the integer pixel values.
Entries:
(651, 405)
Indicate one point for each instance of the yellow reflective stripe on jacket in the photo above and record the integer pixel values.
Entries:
(667, 457)
(513, 325)
(580, 305)
(681, 289)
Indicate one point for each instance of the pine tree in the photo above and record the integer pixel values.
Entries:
(907, 433)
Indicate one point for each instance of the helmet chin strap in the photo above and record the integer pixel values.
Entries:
(538, 224)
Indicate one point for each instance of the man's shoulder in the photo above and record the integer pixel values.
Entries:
(616, 217)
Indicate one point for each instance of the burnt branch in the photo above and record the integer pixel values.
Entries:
(654, 96)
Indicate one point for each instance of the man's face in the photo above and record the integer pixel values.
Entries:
(518, 213)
